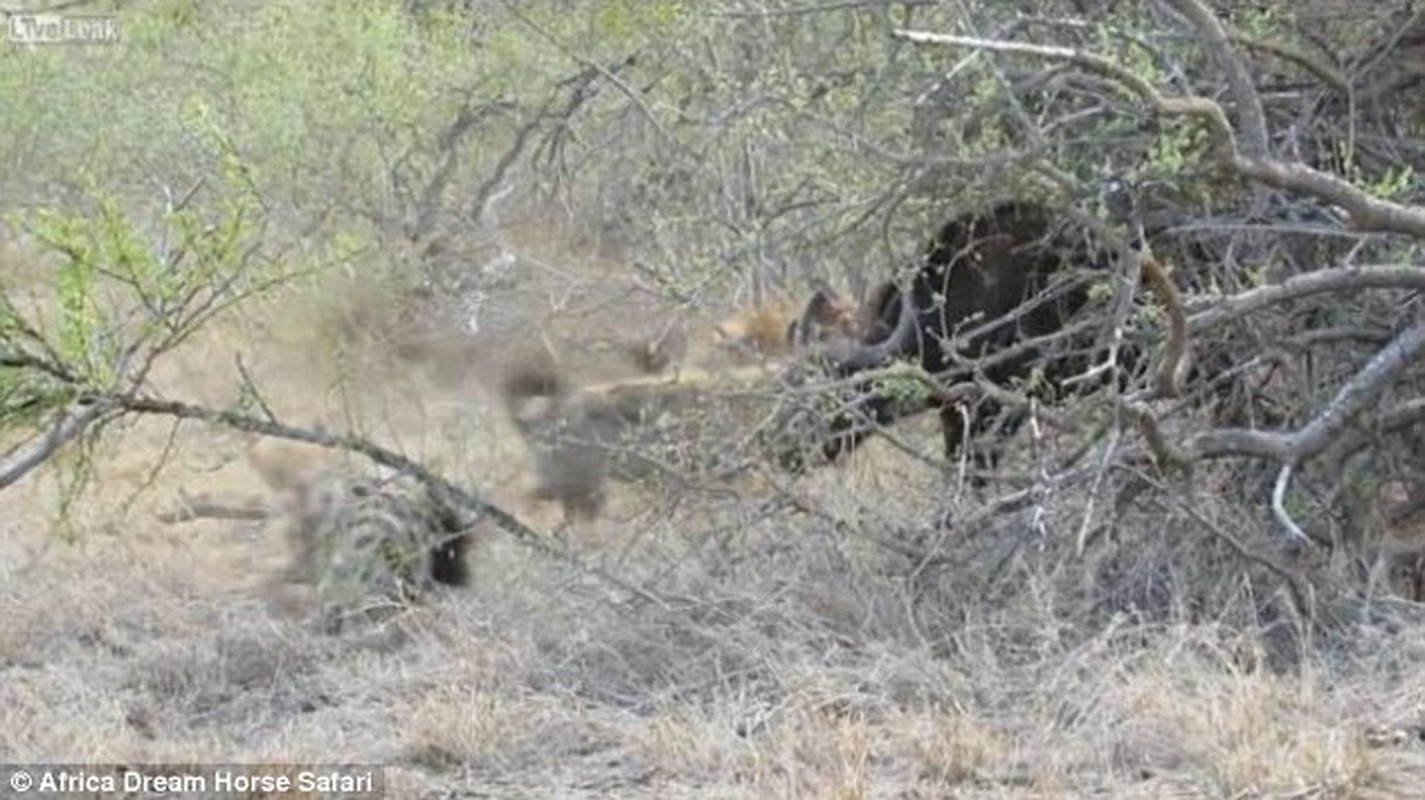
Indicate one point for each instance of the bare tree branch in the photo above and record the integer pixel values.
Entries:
(66, 426)
(191, 508)
(1359, 394)
(1366, 213)
(94, 407)
(471, 504)
(1294, 532)
(1405, 415)
(1250, 118)
(1342, 279)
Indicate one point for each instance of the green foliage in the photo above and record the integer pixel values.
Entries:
(85, 245)
(1179, 145)
(905, 386)
(125, 288)
(1396, 183)
(1037, 384)
(1262, 22)
(1100, 291)
(25, 397)
(320, 97)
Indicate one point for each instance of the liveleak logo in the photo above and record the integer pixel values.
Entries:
(63, 29)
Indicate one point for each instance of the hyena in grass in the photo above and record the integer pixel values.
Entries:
(368, 546)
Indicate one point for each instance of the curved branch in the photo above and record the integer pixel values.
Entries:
(1326, 73)
(1360, 393)
(1341, 279)
(1365, 213)
(1172, 369)
(445, 489)
(1405, 415)
(1293, 531)
(1239, 80)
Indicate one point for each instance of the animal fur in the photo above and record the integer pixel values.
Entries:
(989, 280)
(367, 545)
(631, 431)
(784, 328)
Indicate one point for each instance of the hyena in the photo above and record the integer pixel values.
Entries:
(635, 431)
(576, 439)
(663, 351)
(580, 437)
(368, 546)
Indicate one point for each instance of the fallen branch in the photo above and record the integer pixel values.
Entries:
(1405, 415)
(1357, 395)
(192, 508)
(1293, 531)
(1325, 430)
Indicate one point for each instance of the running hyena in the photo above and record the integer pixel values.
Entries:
(368, 546)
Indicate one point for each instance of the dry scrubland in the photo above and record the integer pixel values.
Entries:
(581, 173)
(790, 663)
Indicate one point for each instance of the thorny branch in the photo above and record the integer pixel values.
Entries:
(1244, 151)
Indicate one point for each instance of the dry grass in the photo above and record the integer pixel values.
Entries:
(795, 661)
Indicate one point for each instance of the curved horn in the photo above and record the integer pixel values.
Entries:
(804, 331)
(853, 356)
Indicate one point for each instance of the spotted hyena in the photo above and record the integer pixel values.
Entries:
(369, 546)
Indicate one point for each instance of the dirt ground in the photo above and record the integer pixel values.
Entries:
(775, 671)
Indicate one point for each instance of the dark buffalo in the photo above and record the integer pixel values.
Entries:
(991, 282)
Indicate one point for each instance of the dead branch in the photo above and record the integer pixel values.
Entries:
(1325, 434)
(1360, 393)
(1365, 213)
(457, 497)
(1280, 570)
(448, 146)
(1328, 74)
(1173, 367)
(609, 75)
(1341, 279)
(203, 507)
(93, 408)
(1293, 531)
(1243, 90)
(1009, 398)
(1405, 415)
(1357, 395)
